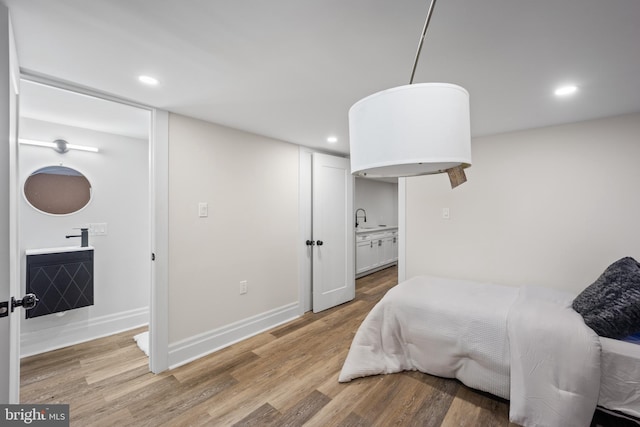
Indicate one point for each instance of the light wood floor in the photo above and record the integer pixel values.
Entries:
(283, 377)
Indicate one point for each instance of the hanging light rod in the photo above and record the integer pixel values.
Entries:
(421, 41)
(59, 145)
(417, 129)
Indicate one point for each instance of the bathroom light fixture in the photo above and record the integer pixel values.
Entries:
(566, 90)
(148, 80)
(59, 145)
(411, 130)
(332, 140)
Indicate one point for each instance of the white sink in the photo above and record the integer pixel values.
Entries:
(58, 250)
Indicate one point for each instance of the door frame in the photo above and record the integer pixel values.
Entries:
(305, 290)
(158, 159)
(13, 264)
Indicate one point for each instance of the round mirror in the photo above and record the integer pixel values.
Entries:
(57, 190)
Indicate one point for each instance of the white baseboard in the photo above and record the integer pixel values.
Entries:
(47, 339)
(373, 270)
(197, 346)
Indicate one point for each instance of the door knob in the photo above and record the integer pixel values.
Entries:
(27, 302)
(310, 242)
(320, 243)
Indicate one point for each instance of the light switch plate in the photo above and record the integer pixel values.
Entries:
(98, 229)
(203, 209)
(445, 213)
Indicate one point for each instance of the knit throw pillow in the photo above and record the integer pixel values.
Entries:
(611, 305)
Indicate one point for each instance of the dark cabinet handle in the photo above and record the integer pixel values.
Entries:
(310, 242)
(320, 243)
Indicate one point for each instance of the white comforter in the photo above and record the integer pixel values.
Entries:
(546, 362)
(555, 361)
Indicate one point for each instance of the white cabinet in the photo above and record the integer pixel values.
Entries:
(364, 254)
(386, 255)
(375, 250)
(367, 252)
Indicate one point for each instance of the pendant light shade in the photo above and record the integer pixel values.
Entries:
(411, 130)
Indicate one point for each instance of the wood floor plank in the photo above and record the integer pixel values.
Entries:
(376, 404)
(265, 415)
(306, 381)
(334, 412)
(354, 420)
(120, 417)
(470, 408)
(305, 409)
(437, 399)
(183, 397)
(213, 365)
(409, 398)
(125, 383)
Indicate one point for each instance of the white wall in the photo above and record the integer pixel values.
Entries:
(250, 183)
(379, 199)
(119, 178)
(551, 206)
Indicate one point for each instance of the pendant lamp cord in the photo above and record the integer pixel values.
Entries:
(424, 32)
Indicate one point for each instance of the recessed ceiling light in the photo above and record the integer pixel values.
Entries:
(148, 80)
(332, 140)
(566, 90)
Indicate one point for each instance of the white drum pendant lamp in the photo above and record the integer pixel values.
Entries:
(411, 130)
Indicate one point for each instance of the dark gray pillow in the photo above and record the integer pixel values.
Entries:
(611, 305)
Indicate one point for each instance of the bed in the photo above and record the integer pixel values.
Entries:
(523, 344)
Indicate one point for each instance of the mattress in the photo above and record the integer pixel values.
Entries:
(620, 381)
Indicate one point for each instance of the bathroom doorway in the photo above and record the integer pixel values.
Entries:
(108, 143)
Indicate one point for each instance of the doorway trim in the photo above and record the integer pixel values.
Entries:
(158, 210)
(305, 255)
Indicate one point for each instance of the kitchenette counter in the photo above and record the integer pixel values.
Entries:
(362, 230)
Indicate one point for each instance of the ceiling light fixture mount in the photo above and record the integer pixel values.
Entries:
(411, 130)
(59, 145)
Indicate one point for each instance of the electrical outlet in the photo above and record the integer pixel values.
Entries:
(243, 287)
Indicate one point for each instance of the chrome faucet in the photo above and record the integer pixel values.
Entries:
(365, 216)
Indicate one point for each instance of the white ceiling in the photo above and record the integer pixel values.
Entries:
(290, 69)
(43, 102)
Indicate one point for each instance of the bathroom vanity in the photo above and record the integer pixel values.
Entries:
(376, 248)
(61, 278)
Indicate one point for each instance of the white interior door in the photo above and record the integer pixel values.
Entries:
(9, 325)
(333, 232)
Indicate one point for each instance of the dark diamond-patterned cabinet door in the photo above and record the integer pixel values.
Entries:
(61, 281)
